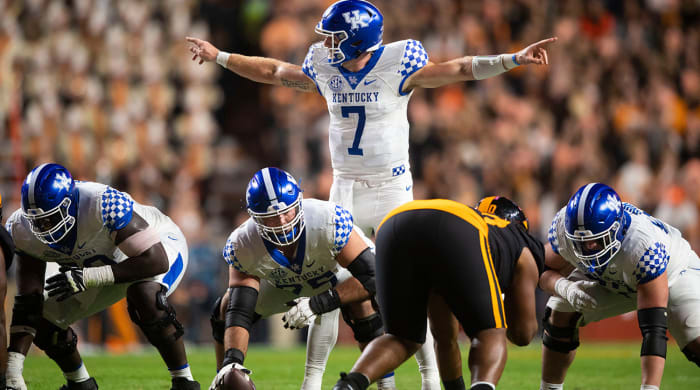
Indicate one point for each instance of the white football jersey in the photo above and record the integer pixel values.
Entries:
(649, 248)
(368, 133)
(327, 230)
(101, 211)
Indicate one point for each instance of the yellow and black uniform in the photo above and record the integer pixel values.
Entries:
(453, 250)
(6, 245)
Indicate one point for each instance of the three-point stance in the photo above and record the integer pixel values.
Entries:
(287, 251)
(606, 258)
(108, 246)
(452, 263)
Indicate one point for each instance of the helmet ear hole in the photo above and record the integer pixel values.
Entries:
(356, 43)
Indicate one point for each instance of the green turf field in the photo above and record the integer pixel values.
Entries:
(602, 366)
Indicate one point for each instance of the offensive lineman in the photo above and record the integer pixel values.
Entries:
(7, 252)
(367, 86)
(292, 248)
(108, 247)
(606, 258)
(457, 266)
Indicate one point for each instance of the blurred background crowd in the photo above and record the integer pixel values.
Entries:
(108, 89)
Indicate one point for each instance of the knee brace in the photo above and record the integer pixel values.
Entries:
(365, 329)
(54, 341)
(552, 334)
(218, 326)
(691, 356)
(26, 313)
(155, 320)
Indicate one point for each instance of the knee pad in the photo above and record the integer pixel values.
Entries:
(155, 320)
(218, 325)
(552, 334)
(691, 356)
(54, 341)
(365, 329)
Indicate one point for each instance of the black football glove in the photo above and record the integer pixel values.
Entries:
(66, 283)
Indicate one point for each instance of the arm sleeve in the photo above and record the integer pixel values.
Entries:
(342, 227)
(414, 58)
(308, 68)
(116, 209)
(652, 264)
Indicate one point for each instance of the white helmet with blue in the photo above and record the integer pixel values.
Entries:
(354, 26)
(272, 196)
(594, 223)
(50, 202)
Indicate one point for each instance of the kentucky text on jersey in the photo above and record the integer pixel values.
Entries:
(356, 97)
(303, 277)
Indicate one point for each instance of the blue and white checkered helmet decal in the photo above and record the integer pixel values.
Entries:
(414, 58)
(117, 208)
(343, 227)
(652, 264)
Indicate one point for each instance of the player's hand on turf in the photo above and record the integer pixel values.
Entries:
(300, 315)
(577, 293)
(202, 49)
(15, 383)
(219, 378)
(68, 282)
(535, 53)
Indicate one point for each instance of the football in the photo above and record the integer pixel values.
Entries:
(236, 380)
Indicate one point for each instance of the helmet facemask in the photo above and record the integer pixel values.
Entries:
(335, 54)
(271, 228)
(53, 225)
(595, 251)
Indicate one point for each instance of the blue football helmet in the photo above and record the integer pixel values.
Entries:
(354, 26)
(271, 197)
(49, 202)
(594, 224)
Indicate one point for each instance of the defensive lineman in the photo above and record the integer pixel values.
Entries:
(108, 246)
(606, 258)
(289, 250)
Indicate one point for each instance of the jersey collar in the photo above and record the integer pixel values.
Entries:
(297, 262)
(354, 78)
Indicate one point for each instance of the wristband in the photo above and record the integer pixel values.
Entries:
(98, 276)
(233, 355)
(324, 302)
(222, 58)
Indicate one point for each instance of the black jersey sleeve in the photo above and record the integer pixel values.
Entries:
(8, 247)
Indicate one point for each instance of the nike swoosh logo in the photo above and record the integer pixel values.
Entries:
(408, 188)
(368, 82)
(80, 246)
(311, 263)
(172, 238)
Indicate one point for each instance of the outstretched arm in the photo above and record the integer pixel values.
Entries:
(520, 301)
(476, 67)
(259, 69)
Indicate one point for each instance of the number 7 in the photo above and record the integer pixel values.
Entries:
(355, 150)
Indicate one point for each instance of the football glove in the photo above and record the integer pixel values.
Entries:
(300, 314)
(219, 378)
(577, 293)
(68, 282)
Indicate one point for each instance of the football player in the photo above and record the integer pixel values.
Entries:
(455, 265)
(605, 258)
(7, 251)
(108, 247)
(367, 86)
(307, 252)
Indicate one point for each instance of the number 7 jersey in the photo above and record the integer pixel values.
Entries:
(368, 132)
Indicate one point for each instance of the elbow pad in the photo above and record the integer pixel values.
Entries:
(362, 268)
(241, 307)
(653, 323)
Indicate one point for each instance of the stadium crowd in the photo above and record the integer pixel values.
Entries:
(108, 90)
